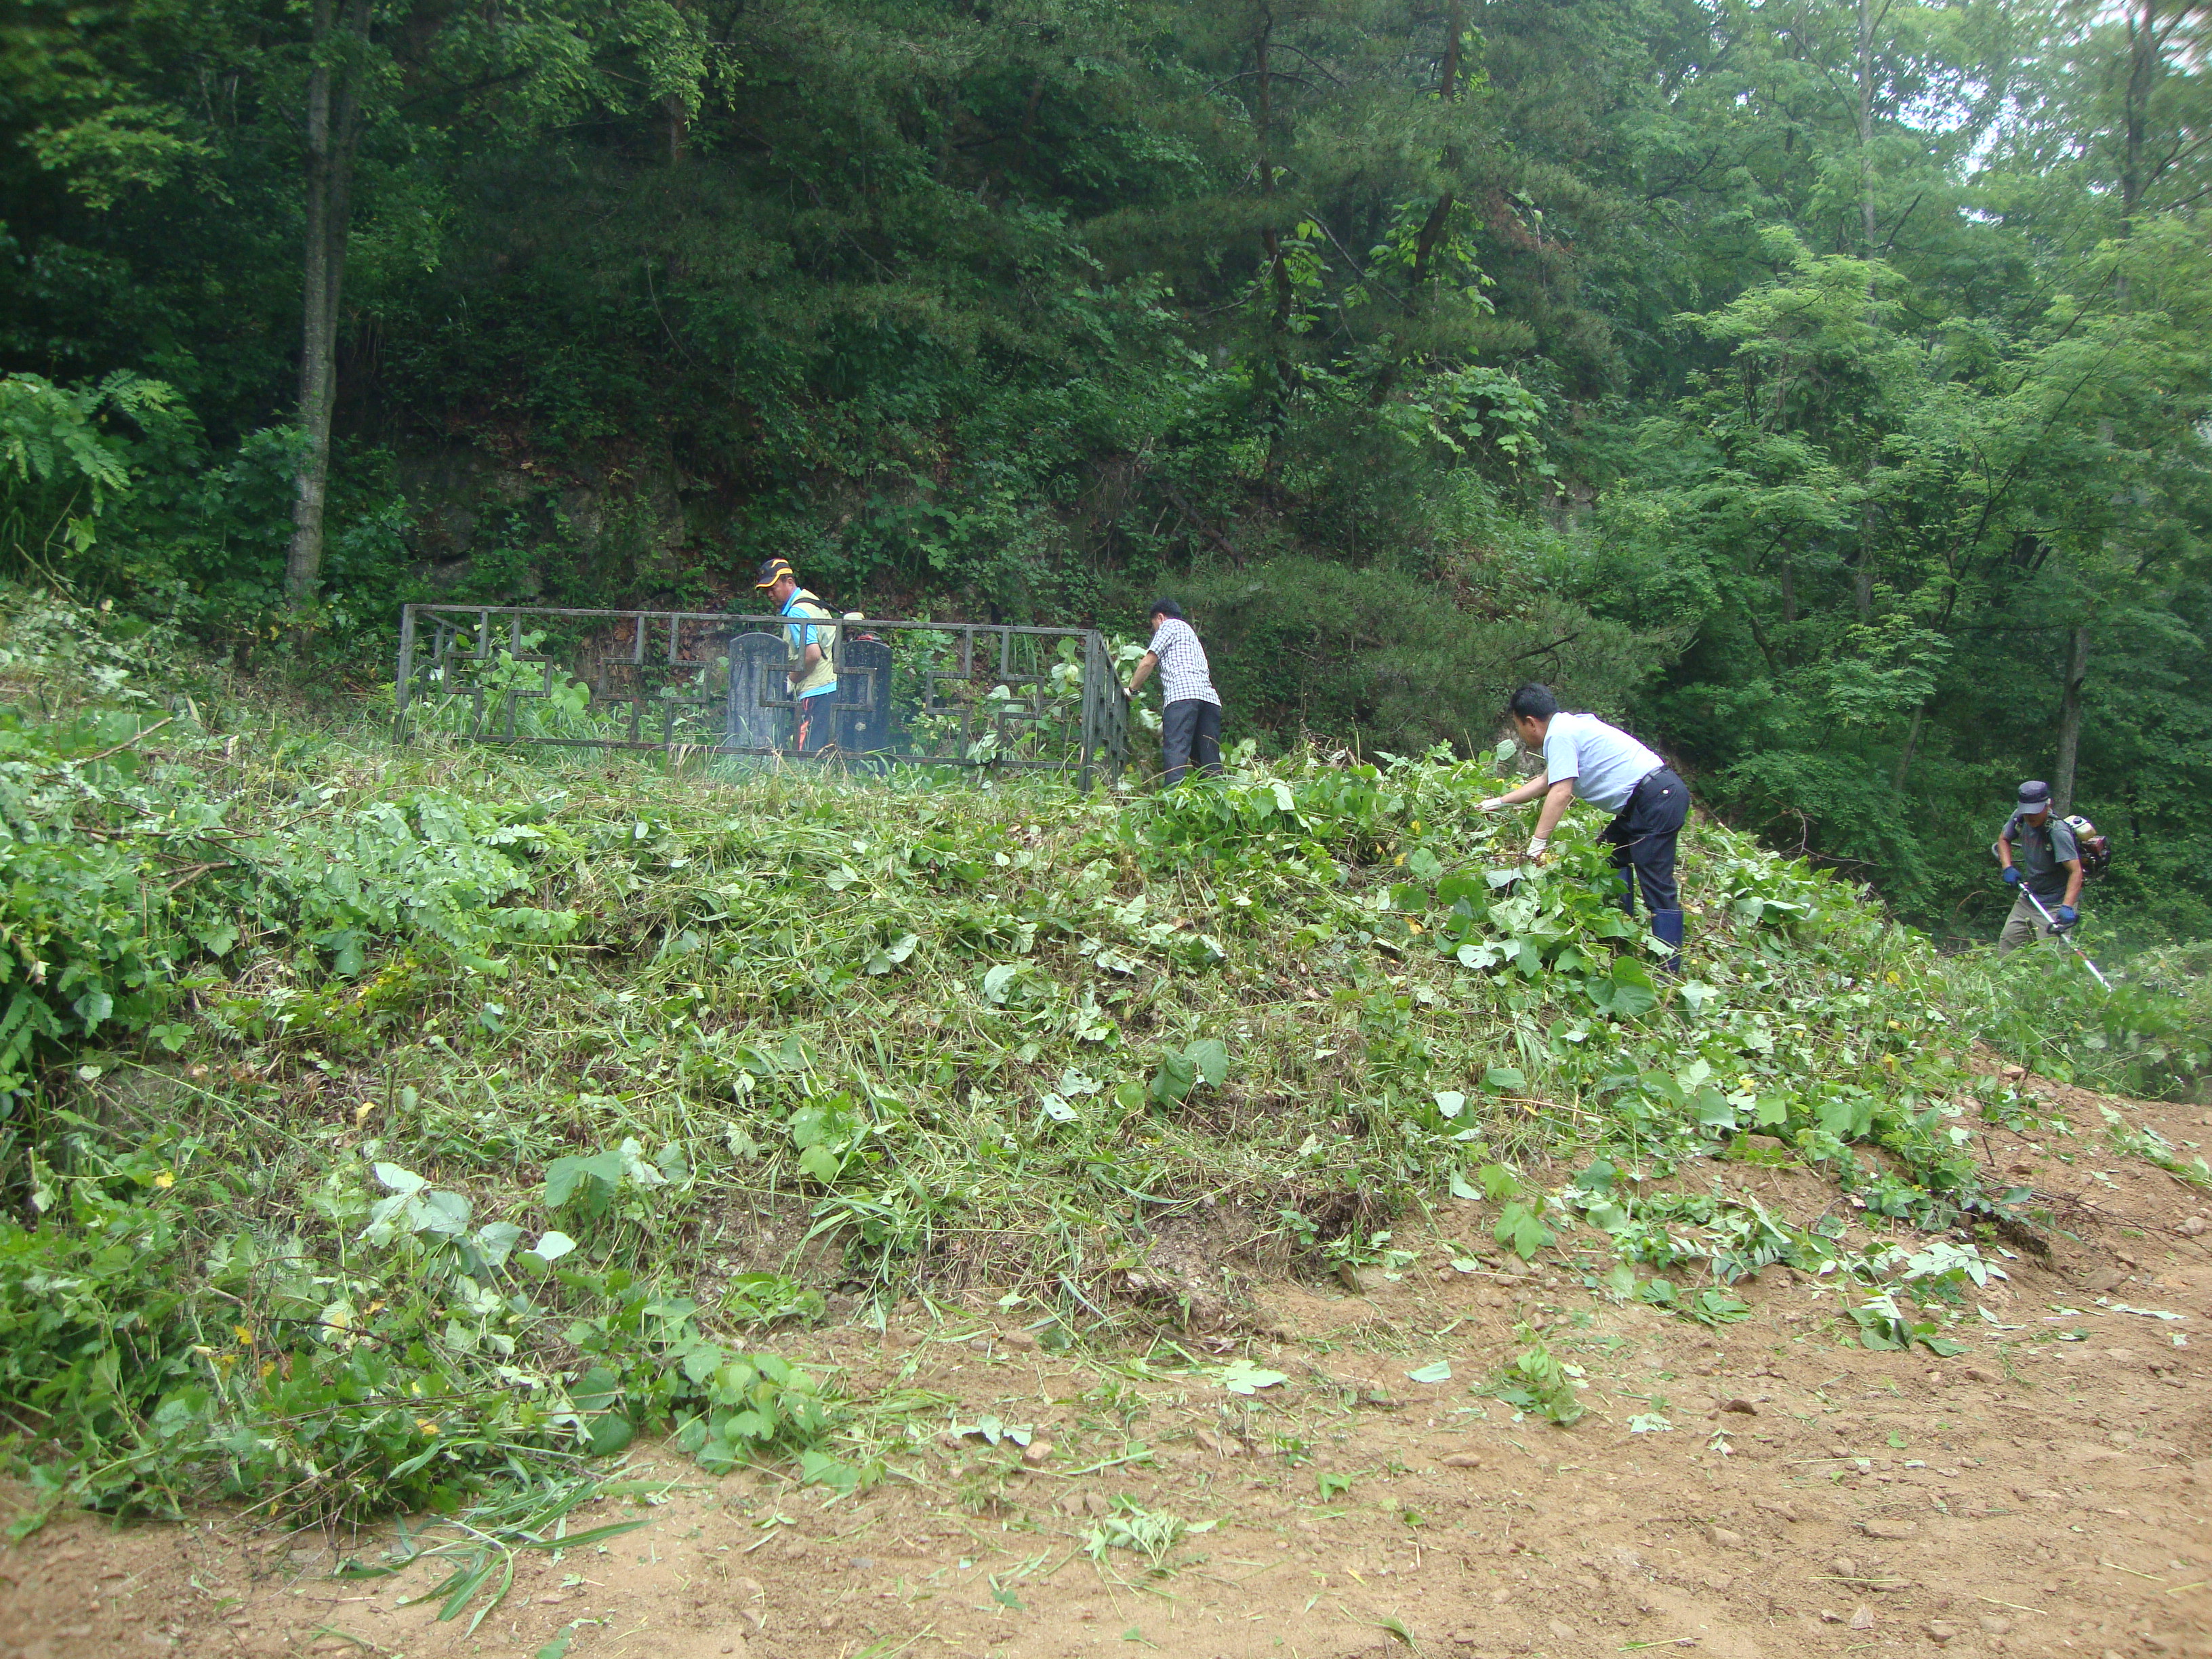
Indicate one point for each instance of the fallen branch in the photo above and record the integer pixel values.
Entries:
(127, 742)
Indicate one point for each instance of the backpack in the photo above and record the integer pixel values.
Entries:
(2095, 850)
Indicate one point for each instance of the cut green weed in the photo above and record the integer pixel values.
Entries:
(1152, 1533)
(1536, 1381)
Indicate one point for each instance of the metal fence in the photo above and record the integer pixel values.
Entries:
(958, 694)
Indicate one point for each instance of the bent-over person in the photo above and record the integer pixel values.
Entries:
(1585, 758)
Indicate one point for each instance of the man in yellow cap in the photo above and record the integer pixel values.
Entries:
(813, 676)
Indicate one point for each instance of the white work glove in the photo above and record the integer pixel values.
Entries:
(1538, 847)
(1495, 804)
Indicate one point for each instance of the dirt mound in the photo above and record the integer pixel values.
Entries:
(1768, 1487)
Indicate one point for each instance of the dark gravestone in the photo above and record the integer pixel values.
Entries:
(864, 695)
(760, 708)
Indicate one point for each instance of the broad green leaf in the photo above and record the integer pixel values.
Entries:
(595, 1178)
(1634, 993)
(1718, 1308)
(1523, 1233)
(1453, 888)
(1240, 1376)
(1177, 1076)
(1210, 1057)
(819, 1468)
(1714, 1110)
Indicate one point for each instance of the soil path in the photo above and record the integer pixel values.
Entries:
(2038, 1494)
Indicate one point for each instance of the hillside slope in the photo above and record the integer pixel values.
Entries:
(403, 1128)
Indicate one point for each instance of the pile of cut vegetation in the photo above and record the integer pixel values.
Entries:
(380, 1124)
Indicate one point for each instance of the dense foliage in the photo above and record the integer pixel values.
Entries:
(1821, 383)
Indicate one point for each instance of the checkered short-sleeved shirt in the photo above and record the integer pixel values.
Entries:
(1184, 676)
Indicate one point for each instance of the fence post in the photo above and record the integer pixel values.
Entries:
(406, 674)
(1090, 707)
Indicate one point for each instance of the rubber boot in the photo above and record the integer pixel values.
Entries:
(1667, 928)
(1626, 897)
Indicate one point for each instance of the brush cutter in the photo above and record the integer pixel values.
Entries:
(2051, 923)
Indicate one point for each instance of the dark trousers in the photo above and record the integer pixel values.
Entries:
(812, 724)
(1642, 835)
(1191, 730)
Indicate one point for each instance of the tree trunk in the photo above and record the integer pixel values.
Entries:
(678, 116)
(332, 126)
(1866, 129)
(2144, 64)
(2069, 723)
(1911, 743)
(1863, 573)
(1271, 247)
(1432, 228)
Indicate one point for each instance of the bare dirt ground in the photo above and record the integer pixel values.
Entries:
(2039, 1494)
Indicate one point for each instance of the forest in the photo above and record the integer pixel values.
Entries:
(1819, 387)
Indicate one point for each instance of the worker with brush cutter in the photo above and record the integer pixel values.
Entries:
(2046, 873)
(1603, 765)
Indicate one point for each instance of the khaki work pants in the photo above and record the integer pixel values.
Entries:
(2023, 925)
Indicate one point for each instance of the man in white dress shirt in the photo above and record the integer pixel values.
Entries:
(1584, 758)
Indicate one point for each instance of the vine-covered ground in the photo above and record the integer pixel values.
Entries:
(420, 1131)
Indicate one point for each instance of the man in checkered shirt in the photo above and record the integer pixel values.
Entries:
(1190, 713)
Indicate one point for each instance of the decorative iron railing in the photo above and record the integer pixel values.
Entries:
(955, 693)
